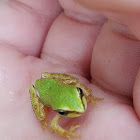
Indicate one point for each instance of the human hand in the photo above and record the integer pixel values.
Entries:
(32, 43)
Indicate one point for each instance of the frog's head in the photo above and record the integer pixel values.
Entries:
(78, 109)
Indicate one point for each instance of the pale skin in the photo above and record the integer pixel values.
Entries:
(106, 61)
(41, 113)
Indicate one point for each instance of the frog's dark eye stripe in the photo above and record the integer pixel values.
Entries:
(80, 92)
(82, 97)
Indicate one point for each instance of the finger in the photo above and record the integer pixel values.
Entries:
(110, 5)
(71, 39)
(24, 24)
(115, 59)
(136, 94)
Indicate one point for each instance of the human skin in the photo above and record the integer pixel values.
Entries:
(100, 48)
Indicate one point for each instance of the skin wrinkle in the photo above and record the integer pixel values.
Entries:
(125, 36)
(57, 60)
(17, 5)
(123, 31)
(83, 19)
(78, 20)
(6, 44)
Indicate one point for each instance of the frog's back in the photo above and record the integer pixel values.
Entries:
(58, 95)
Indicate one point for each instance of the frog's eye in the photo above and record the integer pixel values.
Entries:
(83, 99)
(65, 113)
(80, 92)
(69, 113)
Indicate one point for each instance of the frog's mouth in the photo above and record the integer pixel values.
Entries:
(69, 113)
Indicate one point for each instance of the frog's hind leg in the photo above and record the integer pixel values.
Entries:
(67, 79)
(88, 95)
(38, 107)
(66, 133)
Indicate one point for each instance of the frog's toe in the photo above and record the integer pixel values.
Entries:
(45, 124)
(69, 133)
(72, 128)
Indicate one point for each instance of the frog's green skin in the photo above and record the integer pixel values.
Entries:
(66, 99)
(65, 95)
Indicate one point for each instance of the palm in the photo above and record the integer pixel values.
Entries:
(68, 49)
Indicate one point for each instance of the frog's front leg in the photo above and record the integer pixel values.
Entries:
(67, 79)
(88, 95)
(66, 133)
(38, 107)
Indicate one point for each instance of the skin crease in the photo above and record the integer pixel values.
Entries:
(34, 40)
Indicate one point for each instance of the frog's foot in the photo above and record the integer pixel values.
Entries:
(72, 128)
(65, 133)
(93, 99)
(45, 123)
(69, 133)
